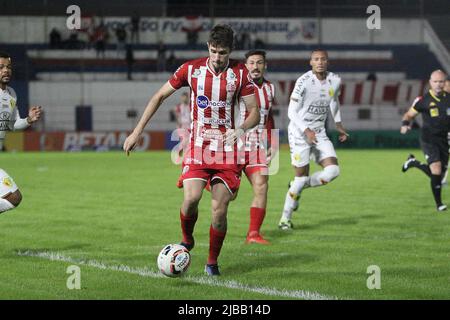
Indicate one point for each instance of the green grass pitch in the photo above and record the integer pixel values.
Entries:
(110, 215)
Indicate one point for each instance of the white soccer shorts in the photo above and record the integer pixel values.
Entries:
(301, 151)
(7, 184)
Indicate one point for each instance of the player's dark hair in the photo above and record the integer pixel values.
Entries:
(222, 36)
(256, 52)
(319, 50)
(4, 55)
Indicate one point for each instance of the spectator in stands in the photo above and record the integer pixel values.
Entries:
(171, 62)
(245, 41)
(135, 21)
(258, 43)
(129, 57)
(121, 36)
(161, 57)
(192, 26)
(372, 76)
(55, 39)
(101, 36)
(73, 43)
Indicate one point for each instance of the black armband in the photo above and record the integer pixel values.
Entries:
(405, 123)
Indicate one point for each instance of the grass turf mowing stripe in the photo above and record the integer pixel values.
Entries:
(206, 280)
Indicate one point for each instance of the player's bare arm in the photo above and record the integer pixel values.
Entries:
(406, 120)
(343, 135)
(252, 120)
(252, 108)
(165, 91)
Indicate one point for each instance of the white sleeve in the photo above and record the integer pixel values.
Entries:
(294, 107)
(335, 107)
(19, 123)
(295, 104)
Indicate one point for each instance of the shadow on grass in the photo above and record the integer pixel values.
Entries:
(268, 261)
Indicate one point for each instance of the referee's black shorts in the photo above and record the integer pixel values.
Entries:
(436, 150)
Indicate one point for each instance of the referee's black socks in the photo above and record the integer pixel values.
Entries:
(421, 166)
(436, 188)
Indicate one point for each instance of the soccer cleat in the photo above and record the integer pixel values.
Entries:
(255, 237)
(212, 270)
(408, 161)
(441, 207)
(285, 224)
(188, 246)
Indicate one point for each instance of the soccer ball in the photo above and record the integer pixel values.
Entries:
(174, 260)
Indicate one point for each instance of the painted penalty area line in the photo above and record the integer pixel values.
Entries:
(202, 280)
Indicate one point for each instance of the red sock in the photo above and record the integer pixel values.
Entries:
(256, 219)
(187, 226)
(216, 238)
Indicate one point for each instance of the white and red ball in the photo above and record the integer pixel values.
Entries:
(174, 260)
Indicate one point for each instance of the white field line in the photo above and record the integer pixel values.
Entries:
(205, 280)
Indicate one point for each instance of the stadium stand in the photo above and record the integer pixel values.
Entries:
(382, 71)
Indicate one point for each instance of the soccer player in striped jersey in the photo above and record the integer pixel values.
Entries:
(10, 196)
(257, 143)
(216, 83)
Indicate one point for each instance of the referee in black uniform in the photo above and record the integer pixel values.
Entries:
(435, 109)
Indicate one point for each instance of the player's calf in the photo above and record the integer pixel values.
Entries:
(292, 200)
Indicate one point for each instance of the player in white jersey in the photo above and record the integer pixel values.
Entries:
(10, 196)
(315, 94)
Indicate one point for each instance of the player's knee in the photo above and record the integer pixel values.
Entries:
(261, 189)
(189, 207)
(14, 198)
(436, 168)
(330, 173)
(219, 209)
(191, 201)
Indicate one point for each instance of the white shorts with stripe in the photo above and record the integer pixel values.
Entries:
(301, 151)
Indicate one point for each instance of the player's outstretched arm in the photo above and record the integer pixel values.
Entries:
(165, 91)
(34, 114)
(251, 121)
(406, 120)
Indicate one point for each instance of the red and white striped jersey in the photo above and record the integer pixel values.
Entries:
(212, 100)
(265, 95)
